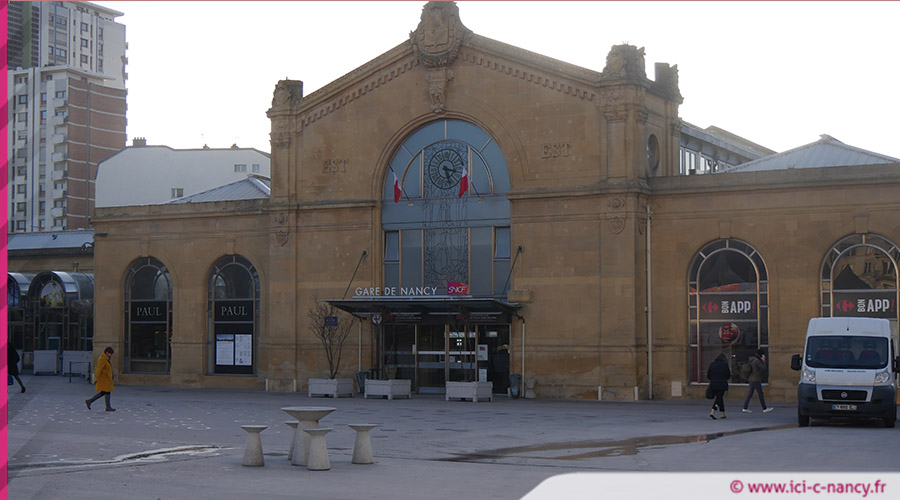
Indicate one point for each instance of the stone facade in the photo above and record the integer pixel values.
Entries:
(585, 176)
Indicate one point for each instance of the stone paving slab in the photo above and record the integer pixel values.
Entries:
(188, 443)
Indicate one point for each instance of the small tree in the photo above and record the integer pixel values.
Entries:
(331, 326)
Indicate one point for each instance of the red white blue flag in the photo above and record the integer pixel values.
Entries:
(397, 190)
(464, 182)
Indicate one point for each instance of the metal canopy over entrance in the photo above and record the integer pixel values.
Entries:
(429, 310)
(433, 340)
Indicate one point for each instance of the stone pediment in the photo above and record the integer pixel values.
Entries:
(441, 42)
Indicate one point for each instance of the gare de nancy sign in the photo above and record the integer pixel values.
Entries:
(453, 288)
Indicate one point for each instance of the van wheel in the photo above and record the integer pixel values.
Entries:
(802, 420)
(890, 422)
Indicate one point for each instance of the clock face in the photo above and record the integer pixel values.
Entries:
(445, 168)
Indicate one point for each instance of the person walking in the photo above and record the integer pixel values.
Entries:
(104, 377)
(757, 364)
(12, 364)
(718, 374)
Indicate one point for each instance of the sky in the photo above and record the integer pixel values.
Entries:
(779, 74)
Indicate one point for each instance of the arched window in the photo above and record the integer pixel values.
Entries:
(448, 218)
(148, 317)
(859, 278)
(61, 306)
(729, 306)
(233, 316)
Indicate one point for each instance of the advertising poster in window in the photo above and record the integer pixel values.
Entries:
(728, 306)
(243, 350)
(234, 326)
(225, 350)
(865, 303)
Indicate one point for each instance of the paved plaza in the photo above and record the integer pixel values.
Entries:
(172, 443)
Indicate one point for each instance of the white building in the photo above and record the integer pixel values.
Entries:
(67, 105)
(147, 175)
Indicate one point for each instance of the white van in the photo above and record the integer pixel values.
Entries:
(848, 370)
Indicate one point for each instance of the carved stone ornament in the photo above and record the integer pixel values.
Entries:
(616, 224)
(614, 105)
(624, 61)
(280, 137)
(616, 203)
(287, 91)
(437, 87)
(439, 35)
(282, 237)
(280, 219)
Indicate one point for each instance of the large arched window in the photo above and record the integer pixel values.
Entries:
(233, 314)
(449, 220)
(859, 278)
(148, 317)
(61, 306)
(729, 306)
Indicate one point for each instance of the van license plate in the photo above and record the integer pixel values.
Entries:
(844, 407)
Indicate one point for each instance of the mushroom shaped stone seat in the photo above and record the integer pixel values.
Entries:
(362, 447)
(253, 455)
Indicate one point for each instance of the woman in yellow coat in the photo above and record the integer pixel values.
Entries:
(104, 377)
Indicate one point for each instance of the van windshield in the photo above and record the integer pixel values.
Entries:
(846, 351)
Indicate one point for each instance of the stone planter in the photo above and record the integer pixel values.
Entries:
(334, 387)
(389, 388)
(470, 390)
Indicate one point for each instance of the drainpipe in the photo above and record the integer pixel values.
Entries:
(522, 389)
(649, 315)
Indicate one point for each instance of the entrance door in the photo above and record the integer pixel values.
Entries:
(447, 352)
(431, 350)
(493, 360)
(461, 347)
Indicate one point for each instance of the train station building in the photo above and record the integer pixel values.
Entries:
(474, 211)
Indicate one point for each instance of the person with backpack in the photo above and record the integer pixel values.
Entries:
(754, 376)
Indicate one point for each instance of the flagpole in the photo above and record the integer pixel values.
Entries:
(470, 183)
(400, 185)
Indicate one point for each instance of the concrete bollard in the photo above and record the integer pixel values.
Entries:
(529, 388)
(293, 424)
(318, 450)
(253, 455)
(362, 447)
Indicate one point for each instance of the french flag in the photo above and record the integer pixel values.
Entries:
(464, 182)
(397, 190)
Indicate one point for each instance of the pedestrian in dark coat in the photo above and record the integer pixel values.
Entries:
(12, 364)
(718, 374)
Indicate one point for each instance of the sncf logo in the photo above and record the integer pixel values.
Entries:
(454, 288)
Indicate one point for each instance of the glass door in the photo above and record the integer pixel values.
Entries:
(461, 347)
(431, 350)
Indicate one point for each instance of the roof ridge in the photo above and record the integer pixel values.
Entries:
(824, 139)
